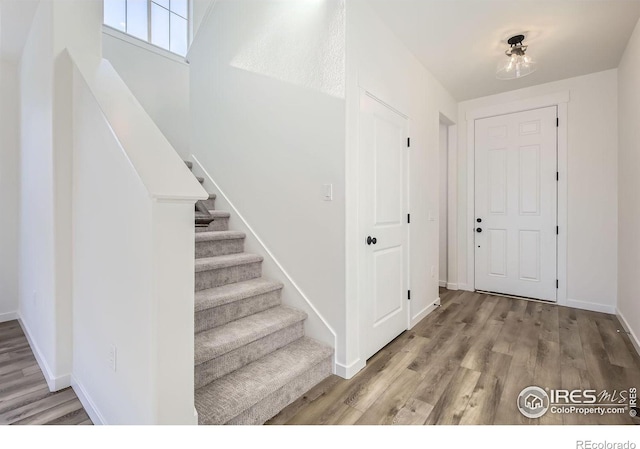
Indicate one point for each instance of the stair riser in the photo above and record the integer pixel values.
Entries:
(228, 275)
(219, 224)
(214, 248)
(210, 203)
(217, 316)
(274, 403)
(214, 369)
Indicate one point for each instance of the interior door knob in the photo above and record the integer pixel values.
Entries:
(371, 240)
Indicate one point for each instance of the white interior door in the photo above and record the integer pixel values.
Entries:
(516, 204)
(383, 217)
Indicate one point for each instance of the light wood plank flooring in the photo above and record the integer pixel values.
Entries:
(24, 395)
(467, 362)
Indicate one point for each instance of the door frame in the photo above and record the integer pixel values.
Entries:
(362, 326)
(561, 101)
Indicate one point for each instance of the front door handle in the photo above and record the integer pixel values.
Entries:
(371, 240)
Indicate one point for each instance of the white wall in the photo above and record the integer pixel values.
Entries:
(159, 82)
(629, 185)
(45, 178)
(133, 279)
(378, 62)
(10, 191)
(268, 124)
(592, 185)
(444, 199)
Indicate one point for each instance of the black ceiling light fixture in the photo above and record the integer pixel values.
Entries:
(518, 63)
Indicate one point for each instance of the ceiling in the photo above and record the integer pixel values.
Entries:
(15, 21)
(462, 41)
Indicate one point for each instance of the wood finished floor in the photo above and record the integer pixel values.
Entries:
(467, 362)
(24, 395)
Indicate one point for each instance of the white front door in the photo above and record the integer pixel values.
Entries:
(516, 204)
(383, 217)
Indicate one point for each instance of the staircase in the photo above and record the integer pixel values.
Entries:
(251, 356)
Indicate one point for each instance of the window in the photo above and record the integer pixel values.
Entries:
(161, 22)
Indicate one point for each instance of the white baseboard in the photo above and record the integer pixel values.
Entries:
(87, 403)
(54, 383)
(464, 287)
(348, 371)
(632, 336)
(424, 312)
(8, 316)
(452, 286)
(592, 306)
(443, 284)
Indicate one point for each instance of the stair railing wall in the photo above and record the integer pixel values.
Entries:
(133, 252)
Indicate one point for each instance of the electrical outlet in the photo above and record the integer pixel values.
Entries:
(327, 192)
(113, 356)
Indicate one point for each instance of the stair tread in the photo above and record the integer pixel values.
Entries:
(230, 260)
(219, 213)
(227, 397)
(218, 341)
(210, 236)
(226, 294)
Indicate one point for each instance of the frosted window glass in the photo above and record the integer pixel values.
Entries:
(179, 7)
(114, 14)
(178, 35)
(137, 18)
(163, 3)
(159, 26)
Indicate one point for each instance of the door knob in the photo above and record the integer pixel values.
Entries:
(479, 220)
(371, 240)
(478, 229)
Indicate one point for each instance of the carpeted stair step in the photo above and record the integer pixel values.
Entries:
(219, 243)
(220, 221)
(258, 391)
(210, 203)
(217, 306)
(222, 270)
(227, 348)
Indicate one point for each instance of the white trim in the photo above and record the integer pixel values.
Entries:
(348, 371)
(8, 316)
(442, 284)
(453, 273)
(423, 313)
(632, 336)
(592, 306)
(452, 286)
(129, 39)
(264, 247)
(88, 403)
(560, 100)
(54, 383)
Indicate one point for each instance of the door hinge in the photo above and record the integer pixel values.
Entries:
(557, 176)
(557, 122)
(557, 230)
(409, 295)
(557, 284)
(408, 218)
(408, 142)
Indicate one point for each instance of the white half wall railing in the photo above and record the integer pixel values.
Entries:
(133, 257)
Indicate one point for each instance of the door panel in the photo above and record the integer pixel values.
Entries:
(516, 199)
(383, 208)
